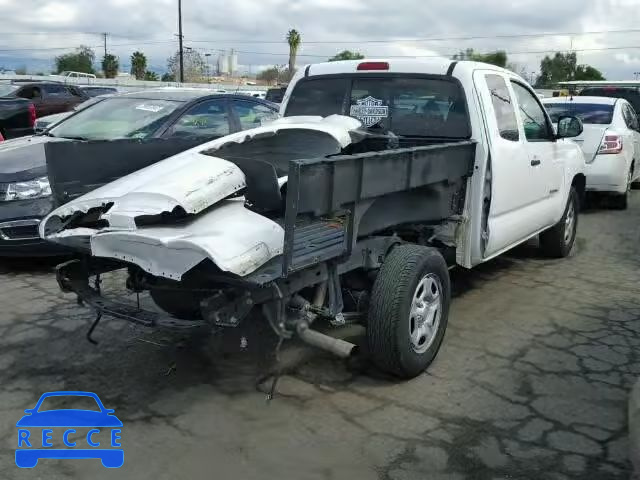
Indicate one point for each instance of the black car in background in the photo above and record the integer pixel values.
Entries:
(17, 117)
(630, 94)
(276, 95)
(159, 123)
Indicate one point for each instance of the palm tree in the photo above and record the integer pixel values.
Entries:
(138, 65)
(293, 39)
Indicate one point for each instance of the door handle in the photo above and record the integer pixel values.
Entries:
(535, 162)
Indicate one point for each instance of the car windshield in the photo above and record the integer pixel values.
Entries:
(7, 89)
(116, 118)
(66, 402)
(405, 106)
(592, 113)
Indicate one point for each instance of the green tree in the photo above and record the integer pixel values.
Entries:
(346, 55)
(498, 58)
(195, 67)
(138, 65)
(167, 77)
(21, 70)
(274, 74)
(110, 65)
(79, 61)
(294, 39)
(151, 76)
(587, 72)
(563, 67)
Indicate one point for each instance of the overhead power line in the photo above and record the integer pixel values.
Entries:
(529, 52)
(428, 39)
(39, 49)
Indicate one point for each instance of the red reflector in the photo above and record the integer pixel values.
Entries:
(611, 138)
(32, 115)
(374, 66)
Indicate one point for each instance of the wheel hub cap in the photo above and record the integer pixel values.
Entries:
(569, 223)
(426, 310)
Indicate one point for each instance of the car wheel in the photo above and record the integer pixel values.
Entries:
(409, 310)
(621, 201)
(558, 241)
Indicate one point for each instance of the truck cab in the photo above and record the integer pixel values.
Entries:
(524, 172)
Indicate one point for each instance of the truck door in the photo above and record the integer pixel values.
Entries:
(546, 155)
(517, 184)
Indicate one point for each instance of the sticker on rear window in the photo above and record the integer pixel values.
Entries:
(369, 111)
(149, 108)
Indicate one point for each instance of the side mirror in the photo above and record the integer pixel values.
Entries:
(569, 127)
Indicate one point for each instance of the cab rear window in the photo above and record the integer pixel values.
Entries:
(405, 106)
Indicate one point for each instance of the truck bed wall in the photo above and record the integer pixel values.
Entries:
(371, 192)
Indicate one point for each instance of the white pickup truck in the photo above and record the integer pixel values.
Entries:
(321, 217)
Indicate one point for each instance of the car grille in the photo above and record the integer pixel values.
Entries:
(19, 230)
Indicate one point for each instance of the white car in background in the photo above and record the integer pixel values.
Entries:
(610, 142)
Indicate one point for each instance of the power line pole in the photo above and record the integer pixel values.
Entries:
(180, 40)
(105, 43)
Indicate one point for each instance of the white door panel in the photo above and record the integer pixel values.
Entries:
(518, 187)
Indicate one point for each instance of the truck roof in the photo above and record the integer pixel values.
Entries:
(433, 66)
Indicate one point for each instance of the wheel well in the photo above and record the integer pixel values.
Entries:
(579, 182)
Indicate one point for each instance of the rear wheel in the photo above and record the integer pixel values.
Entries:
(621, 201)
(409, 310)
(558, 241)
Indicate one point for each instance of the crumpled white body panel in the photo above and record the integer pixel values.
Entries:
(236, 239)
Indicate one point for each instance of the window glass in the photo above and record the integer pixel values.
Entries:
(114, 118)
(7, 89)
(591, 113)
(206, 119)
(322, 97)
(532, 114)
(630, 117)
(420, 107)
(635, 123)
(503, 108)
(252, 115)
(410, 106)
(30, 93)
(54, 90)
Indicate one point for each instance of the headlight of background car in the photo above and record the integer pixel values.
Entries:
(37, 188)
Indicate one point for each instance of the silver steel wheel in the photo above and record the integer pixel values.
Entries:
(569, 222)
(426, 309)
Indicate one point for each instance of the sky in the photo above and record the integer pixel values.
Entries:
(32, 36)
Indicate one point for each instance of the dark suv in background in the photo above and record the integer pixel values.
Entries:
(46, 96)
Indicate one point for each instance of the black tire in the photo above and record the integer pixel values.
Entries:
(620, 201)
(553, 242)
(181, 304)
(389, 321)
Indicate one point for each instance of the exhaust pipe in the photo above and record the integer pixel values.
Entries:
(324, 342)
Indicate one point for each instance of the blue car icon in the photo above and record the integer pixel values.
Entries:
(31, 448)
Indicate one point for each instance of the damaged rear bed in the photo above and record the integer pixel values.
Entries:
(283, 217)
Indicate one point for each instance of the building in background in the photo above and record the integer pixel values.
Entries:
(228, 63)
(223, 64)
(233, 63)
